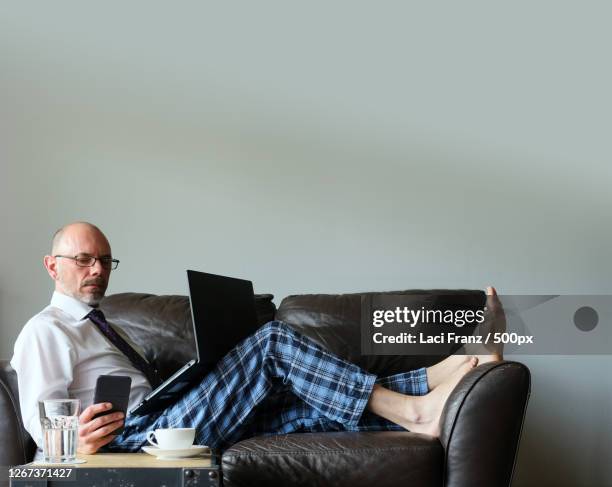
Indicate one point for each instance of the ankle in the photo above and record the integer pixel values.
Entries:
(413, 410)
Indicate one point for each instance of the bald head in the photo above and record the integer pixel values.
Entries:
(64, 236)
(83, 282)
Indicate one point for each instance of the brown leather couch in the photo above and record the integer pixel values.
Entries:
(481, 423)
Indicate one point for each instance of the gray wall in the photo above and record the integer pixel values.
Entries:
(324, 148)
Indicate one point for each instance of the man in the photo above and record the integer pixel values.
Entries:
(62, 350)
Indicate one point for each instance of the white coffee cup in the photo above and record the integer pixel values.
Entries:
(172, 438)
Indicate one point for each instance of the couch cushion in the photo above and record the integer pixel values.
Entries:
(334, 321)
(339, 459)
(161, 325)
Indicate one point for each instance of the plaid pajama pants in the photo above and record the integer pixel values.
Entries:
(276, 381)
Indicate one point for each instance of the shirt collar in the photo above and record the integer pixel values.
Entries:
(75, 308)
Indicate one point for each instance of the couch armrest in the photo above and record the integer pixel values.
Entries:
(481, 425)
(16, 446)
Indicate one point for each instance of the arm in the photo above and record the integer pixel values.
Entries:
(481, 425)
(43, 361)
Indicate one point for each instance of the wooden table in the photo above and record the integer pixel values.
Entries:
(114, 469)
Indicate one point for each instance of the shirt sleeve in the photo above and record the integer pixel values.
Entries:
(44, 361)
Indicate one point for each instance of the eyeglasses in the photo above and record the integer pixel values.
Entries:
(89, 261)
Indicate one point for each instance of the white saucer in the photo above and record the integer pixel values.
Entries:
(166, 454)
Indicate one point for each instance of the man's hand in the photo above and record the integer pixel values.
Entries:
(95, 433)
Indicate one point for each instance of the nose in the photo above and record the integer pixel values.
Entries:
(97, 268)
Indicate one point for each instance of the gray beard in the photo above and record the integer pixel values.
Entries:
(90, 300)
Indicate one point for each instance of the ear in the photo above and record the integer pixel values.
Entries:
(50, 264)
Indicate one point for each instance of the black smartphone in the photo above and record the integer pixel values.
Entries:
(116, 390)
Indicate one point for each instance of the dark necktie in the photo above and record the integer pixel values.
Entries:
(98, 319)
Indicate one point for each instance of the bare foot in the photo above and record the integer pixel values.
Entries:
(438, 373)
(423, 412)
(496, 321)
(494, 324)
(494, 357)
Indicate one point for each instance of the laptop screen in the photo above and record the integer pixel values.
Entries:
(223, 313)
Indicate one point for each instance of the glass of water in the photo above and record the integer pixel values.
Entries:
(59, 420)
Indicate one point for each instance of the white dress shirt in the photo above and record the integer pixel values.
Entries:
(60, 354)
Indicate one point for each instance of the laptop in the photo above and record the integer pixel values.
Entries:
(223, 314)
